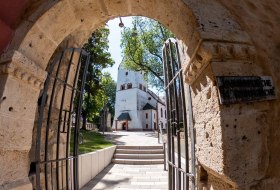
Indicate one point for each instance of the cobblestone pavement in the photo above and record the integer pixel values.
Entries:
(130, 177)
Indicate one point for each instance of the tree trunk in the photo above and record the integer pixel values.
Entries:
(84, 126)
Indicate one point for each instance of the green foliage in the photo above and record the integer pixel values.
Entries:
(109, 87)
(100, 58)
(142, 45)
(92, 141)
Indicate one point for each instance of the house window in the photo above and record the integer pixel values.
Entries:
(123, 87)
(161, 112)
(147, 126)
(146, 115)
(144, 88)
(165, 114)
(129, 85)
(155, 126)
(154, 115)
(126, 73)
(140, 86)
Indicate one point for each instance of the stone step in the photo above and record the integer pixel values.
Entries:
(139, 156)
(139, 147)
(139, 151)
(137, 161)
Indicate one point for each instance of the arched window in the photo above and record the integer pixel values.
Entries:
(140, 86)
(129, 85)
(122, 87)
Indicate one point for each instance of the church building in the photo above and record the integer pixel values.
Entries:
(137, 108)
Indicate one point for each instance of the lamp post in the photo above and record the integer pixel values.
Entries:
(121, 24)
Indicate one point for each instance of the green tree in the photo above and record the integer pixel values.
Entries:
(141, 47)
(97, 46)
(109, 87)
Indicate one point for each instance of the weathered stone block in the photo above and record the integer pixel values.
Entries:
(38, 47)
(14, 165)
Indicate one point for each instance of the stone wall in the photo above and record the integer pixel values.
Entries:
(231, 140)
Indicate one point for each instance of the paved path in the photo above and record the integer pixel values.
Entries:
(130, 177)
(133, 138)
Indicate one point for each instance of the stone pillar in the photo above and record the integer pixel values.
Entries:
(231, 140)
(20, 84)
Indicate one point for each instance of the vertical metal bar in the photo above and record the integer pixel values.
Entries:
(175, 109)
(191, 130)
(64, 121)
(48, 120)
(52, 175)
(171, 110)
(183, 103)
(71, 173)
(166, 79)
(77, 127)
(60, 119)
(69, 119)
(164, 154)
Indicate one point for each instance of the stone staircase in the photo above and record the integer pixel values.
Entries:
(138, 155)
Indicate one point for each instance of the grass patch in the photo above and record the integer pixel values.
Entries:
(92, 141)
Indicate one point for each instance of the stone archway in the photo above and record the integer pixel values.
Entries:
(214, 44)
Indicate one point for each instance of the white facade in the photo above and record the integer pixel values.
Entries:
(132, 96)
(162, 115)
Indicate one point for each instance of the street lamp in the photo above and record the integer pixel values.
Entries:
(134, 33)
(121, 24)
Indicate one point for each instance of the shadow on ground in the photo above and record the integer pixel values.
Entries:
(99, 183)
(115, 138)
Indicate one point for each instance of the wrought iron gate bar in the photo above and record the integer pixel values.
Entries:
(175, 77)
(44, 164)
(59, 120)
(176, 118)
(180, 169)
(67, 85)
(60, 159)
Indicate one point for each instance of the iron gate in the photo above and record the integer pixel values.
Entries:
(59, 114)
(178, 120)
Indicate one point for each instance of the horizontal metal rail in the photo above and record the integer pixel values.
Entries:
(180, 169)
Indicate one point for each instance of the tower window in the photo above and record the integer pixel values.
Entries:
(161, 112)
(126, 73)
(140, 86)
(122, 87)
(146, 115)
(144, 88)
(147, 126)
(149, 98)
(129, 85)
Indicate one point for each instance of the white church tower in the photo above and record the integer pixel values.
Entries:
(135, 106)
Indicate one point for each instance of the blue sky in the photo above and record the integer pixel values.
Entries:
(114, 43)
